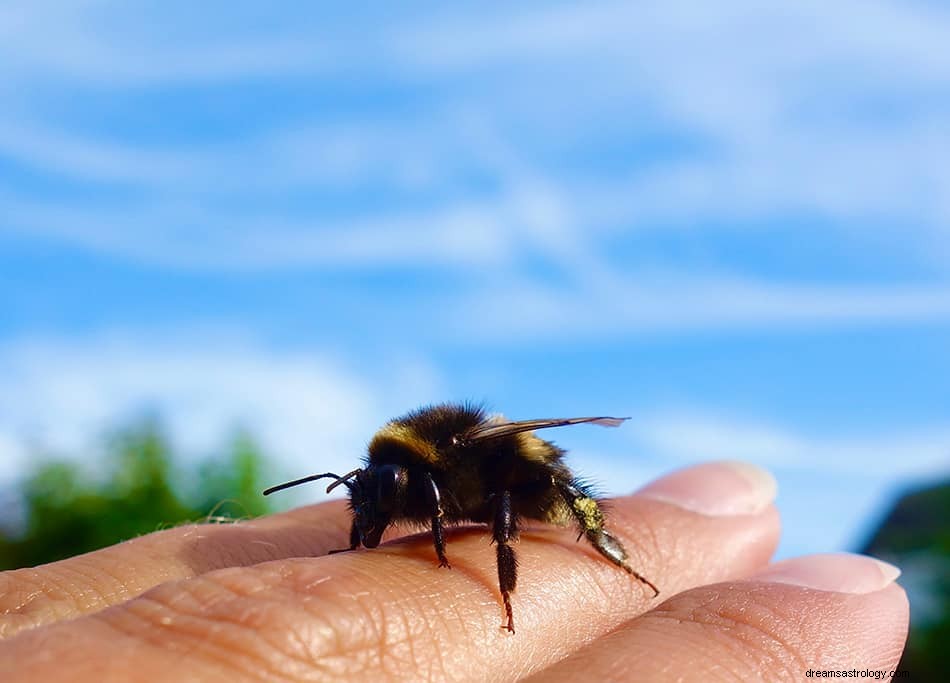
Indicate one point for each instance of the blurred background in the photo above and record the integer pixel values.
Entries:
(235, 239)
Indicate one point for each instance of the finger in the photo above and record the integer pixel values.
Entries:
(93, 581)
(392, 613)
(819, 613)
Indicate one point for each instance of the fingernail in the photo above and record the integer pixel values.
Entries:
(840, 572)
(718, 489)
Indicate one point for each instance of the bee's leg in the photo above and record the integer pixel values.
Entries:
(504, 529)
(435, 505)
(354, 540)
(590, 519)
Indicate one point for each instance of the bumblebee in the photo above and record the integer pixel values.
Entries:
(453, 463)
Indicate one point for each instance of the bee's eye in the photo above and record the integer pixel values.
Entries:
(390, 480)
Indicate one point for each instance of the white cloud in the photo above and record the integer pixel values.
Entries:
(189, 236)
(316, 156)
(109, 44)
(88, 159)
(309, 409)
(606, 304)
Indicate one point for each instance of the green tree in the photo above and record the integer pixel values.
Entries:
(137, 486)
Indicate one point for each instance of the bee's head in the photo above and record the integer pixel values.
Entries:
(377, 496)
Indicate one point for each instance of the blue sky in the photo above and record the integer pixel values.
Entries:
(730, 222)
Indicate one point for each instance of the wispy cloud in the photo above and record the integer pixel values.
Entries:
(318, 156)
(189, 236)
(819, 108)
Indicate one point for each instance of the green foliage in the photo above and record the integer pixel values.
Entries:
(916, 537)
(139, 486)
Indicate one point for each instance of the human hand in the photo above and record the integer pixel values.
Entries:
(262, 601)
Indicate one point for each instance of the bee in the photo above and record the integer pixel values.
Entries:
(453, 463)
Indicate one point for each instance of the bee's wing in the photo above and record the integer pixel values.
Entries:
(493, 430)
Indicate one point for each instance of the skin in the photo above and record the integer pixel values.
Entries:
(262, 601)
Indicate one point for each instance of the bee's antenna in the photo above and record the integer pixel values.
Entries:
(313, 477)
(344, 480)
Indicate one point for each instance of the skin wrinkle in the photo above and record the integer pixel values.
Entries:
(91, 588)
(691, 637)
(432, 621)
(414, 657)
(446, 623)
(150, 634)
(49, 590)
(280, 639)
(378, 634)
(321, 604)
(299, 639)
(103, 591)
(791, 645)
(424, 629)
(401, 646)
(758, 635)
(780, 613)
(391, 636)
(747, 634)
(220, 631)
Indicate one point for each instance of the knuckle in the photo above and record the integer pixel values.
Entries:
(20, 597)
(33, 597)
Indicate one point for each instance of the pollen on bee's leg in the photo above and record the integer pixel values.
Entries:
(588, 513)
(590, 519)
